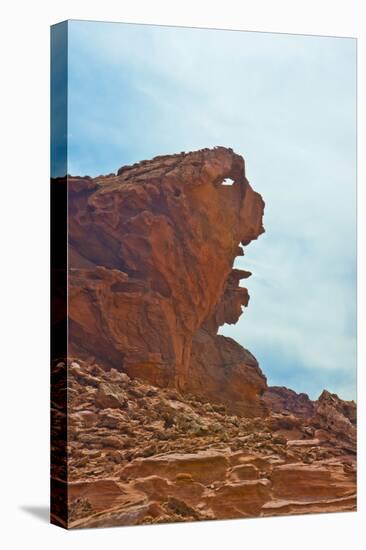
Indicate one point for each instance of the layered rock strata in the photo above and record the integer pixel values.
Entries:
(142, 454)
(281, 399)
(162, 419)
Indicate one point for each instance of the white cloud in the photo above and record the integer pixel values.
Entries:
(287, 104)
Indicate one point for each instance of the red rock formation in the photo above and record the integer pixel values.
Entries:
(165, 418)
(142, 454)
(335, 418)
(280, 399)
(151, 278)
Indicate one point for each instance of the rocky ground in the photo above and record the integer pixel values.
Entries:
(139, 454)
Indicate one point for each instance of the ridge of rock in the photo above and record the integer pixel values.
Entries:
(280, 399)
(151, 274)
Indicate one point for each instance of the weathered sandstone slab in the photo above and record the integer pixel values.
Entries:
(160, 456)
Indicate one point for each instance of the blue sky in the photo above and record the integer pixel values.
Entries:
(287, 104)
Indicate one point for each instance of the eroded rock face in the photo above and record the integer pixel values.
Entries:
(280, 399)
(142, 454)
(222, 371)
(166, 419)
(335, 417)
(151, 277)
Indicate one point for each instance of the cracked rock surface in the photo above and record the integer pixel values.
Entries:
(163, 419)
(143, 454)
(151, 273)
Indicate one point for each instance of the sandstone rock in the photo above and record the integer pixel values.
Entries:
(204, 466)
(181, 511)
(79, 509)
(167, 420)
(125, 467)
(244, 472)
(242, 499)
(88, 418)
(222, 371)
(117, 376)
(281, 507)
(107, 398)
(151, 256)
(309, 481)
(113, 441)
(120, 516)
(336, 416)
(161, 489)
(280, 399)
(303, 443)
(103, 494)
(287, 425)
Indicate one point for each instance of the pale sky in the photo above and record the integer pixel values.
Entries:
(287, 104)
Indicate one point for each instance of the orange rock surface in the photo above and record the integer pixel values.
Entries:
(280, 399)
(163, 456)
(151, 277)
(165, 420)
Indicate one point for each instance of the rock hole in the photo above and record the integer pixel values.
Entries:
(227, 181)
